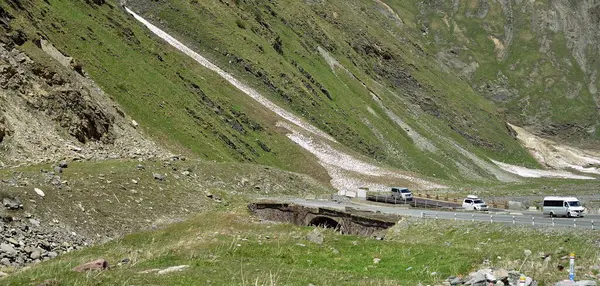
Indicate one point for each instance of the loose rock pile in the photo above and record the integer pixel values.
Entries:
(503, 277)
(489, 276)
(23, 241)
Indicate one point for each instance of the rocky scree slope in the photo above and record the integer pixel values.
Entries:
(50, 112)
(536, 60)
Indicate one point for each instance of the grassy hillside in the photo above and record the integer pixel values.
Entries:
(180, 104)
(105, 199)
(276, 47)
(363, 72)
(234, 249)
(535, 59)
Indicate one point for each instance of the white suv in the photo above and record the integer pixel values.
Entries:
(402, 193)
(473, 203)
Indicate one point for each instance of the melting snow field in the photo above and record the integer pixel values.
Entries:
(349, 173)
(536, 173)
(559, 156)
(238, 84)
(339, 165)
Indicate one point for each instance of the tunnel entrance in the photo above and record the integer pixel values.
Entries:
(325, 222)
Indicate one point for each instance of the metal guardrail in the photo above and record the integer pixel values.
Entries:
(415, 202)
(514, 220)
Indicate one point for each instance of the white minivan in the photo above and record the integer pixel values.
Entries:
(562, 206)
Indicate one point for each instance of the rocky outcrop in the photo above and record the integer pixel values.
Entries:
(50, 112)
(538, 55)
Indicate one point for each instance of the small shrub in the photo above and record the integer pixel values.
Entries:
(240, 24)
(278, 45)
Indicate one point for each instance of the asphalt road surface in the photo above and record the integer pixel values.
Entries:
(533, 219)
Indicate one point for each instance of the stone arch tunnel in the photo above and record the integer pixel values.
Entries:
(347, 221)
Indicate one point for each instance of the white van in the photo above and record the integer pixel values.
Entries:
(562, 206)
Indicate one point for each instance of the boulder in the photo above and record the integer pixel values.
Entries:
(501, 273)
(159, 177)
(7, 249)
(39, 192)
(315, 236)
(96, 265)
(5, 261)
(13, 204)
(35, 255)
(63, 164)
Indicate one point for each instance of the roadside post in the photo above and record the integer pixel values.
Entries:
(572, 267)
(522, 280)
(514, 220)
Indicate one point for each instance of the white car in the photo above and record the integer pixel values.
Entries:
(473, 203)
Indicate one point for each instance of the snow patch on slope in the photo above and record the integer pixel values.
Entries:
(233, 81)
(338, 163)
(347, 172)
(536, 173)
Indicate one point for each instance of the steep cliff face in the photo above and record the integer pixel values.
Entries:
(537, 60)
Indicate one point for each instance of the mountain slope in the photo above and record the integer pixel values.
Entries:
(161, 89)
(358, 104)
(363, 72)
(538, 60)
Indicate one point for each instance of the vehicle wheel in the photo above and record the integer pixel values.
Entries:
(568, 214)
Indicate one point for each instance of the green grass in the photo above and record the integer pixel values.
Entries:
(235, 249)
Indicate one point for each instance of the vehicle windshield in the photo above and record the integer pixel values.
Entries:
(478, 202)
(574, 204)
(405, 191)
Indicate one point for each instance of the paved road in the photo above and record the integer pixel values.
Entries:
(533, 219)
